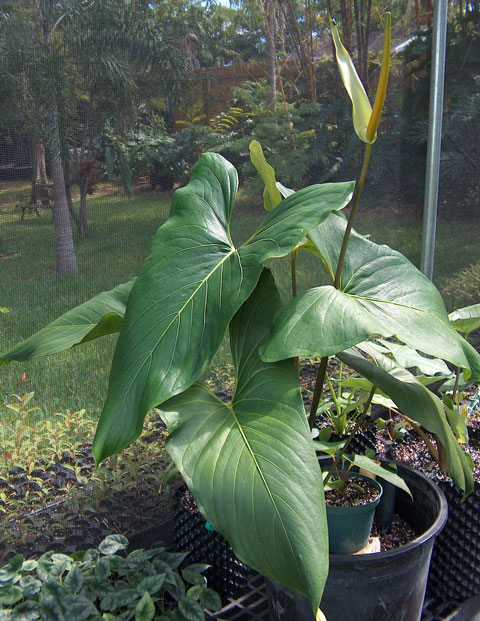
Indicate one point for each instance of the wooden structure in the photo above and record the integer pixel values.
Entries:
(214, 86)
(42, 198)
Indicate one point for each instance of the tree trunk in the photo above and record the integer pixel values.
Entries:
(71, 209)
(65, 260)
(268, 9)
(346, 12)
(303, 51)
(66, 264)
(83, 228)
(39, 168)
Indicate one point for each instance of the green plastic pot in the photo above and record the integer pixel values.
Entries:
(349, 527)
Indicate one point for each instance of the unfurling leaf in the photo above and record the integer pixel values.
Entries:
(365, 120)
(271, 194)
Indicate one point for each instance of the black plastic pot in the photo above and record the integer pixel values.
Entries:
(380, 586)
(455, 568)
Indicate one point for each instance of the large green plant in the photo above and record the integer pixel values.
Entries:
(250, 464)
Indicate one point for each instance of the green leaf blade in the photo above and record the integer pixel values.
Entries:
(145, 608)
(382, 294)
(251, 465)
(101, 315)
(364, 462)
(189, 289)
(466, 319)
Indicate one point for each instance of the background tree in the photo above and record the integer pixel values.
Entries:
(35, 69)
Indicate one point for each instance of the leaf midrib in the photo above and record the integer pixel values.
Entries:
(176, 317)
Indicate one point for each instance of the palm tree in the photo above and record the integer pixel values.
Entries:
(31, 63)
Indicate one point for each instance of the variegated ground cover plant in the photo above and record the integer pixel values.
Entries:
(106, 583)
(251, 464)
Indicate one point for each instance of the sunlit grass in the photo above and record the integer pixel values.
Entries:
(120, 233)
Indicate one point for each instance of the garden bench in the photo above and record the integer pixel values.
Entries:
(42, 199)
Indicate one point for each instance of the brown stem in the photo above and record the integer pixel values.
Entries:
(442, 456)
(353, 212)
(318, 390)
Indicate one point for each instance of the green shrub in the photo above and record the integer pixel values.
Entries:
(147, 150)
(104, 583)
(280, 127)
(462, 289)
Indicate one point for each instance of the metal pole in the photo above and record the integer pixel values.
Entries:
(437, 78)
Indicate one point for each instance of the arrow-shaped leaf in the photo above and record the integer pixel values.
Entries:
(382, 294)
(190, 287)
(251, 464)
(101, 315)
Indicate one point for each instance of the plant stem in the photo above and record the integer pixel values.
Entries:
(353, 212)
(341, 451)
(358, 194)
(318, 390)
(442, 456)
(455, 388)
(431, 447)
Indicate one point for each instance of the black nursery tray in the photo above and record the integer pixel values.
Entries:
(252, 605)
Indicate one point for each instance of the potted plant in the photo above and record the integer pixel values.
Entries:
(351, 500)
(251, 464)
(455, 569)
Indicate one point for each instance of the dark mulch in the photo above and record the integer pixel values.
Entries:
(393, 535)
(414, 452)
(353, 493)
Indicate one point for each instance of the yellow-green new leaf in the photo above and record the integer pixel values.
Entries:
(271, 194)
(382, 82)
(361, 108)
(365, 120)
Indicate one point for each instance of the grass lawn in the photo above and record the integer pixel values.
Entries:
(120, 233)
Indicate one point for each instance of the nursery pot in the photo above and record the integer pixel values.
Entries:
(349, 527)
(379, 586)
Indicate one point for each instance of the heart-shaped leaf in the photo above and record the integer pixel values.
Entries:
(145, 609)
(250, 464)
(190, 287)
(382, 293)
(101, 315)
